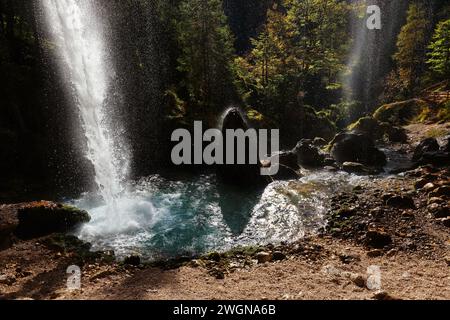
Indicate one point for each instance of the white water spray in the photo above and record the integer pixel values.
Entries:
(77, 33)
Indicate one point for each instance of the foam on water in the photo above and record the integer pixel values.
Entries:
(198, 214)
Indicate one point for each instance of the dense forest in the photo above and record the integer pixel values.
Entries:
(285, 62)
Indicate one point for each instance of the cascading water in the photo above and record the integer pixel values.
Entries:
(77, 34)
(370, 55)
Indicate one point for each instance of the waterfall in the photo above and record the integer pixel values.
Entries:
(77, 33)
(371, 52)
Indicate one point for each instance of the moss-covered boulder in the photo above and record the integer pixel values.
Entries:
(43, 218)
(401, 113)
(379, 130)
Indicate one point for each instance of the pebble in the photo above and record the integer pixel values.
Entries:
(263, 257)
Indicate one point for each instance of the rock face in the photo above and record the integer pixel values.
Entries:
(357, 148)
(39, 219)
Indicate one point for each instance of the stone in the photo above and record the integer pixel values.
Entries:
(278, 256)
(439, 211)
(263, 257)
(357, 148)
(429, 187)
(44, 218)
(426, 146)
(308, 154)
(319, 142)
(401, 202)
(288, 165)
(357, 168)
(214, 256)
(132, 261)
(383, 296)
(7, 280)
(447, 260)
(375, 253)
(437, 200)
(378, 239)
(420, 183)
(446, 222)
(358, 280)
(442, 191)
(240, 175)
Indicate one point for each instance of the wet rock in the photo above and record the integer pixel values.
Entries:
(357, 168)
(133, 261)
(401, 202)
(263, 257)
(378, 239)
(357, 148)
(308, 155)
(288, 165)
(43, 218)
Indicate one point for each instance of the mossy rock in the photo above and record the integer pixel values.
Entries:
(379, 130)
(401, 113)
(43, 218)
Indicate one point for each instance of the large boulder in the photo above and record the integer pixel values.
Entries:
(428, 145)
(430, 152)
(401, 113)
(288, 165)
(357, 148)
(379, 130)
(308, 154)
(247, 174)
(44, 217)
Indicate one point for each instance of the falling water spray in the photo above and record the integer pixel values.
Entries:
(77, 34)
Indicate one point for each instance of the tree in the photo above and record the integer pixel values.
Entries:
(411, 47)
(301, 48)
(207, 54)
(439, 57)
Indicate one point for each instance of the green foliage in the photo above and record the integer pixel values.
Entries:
(439, 57)
(302, 45)
(206, 55)
(411, 50)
